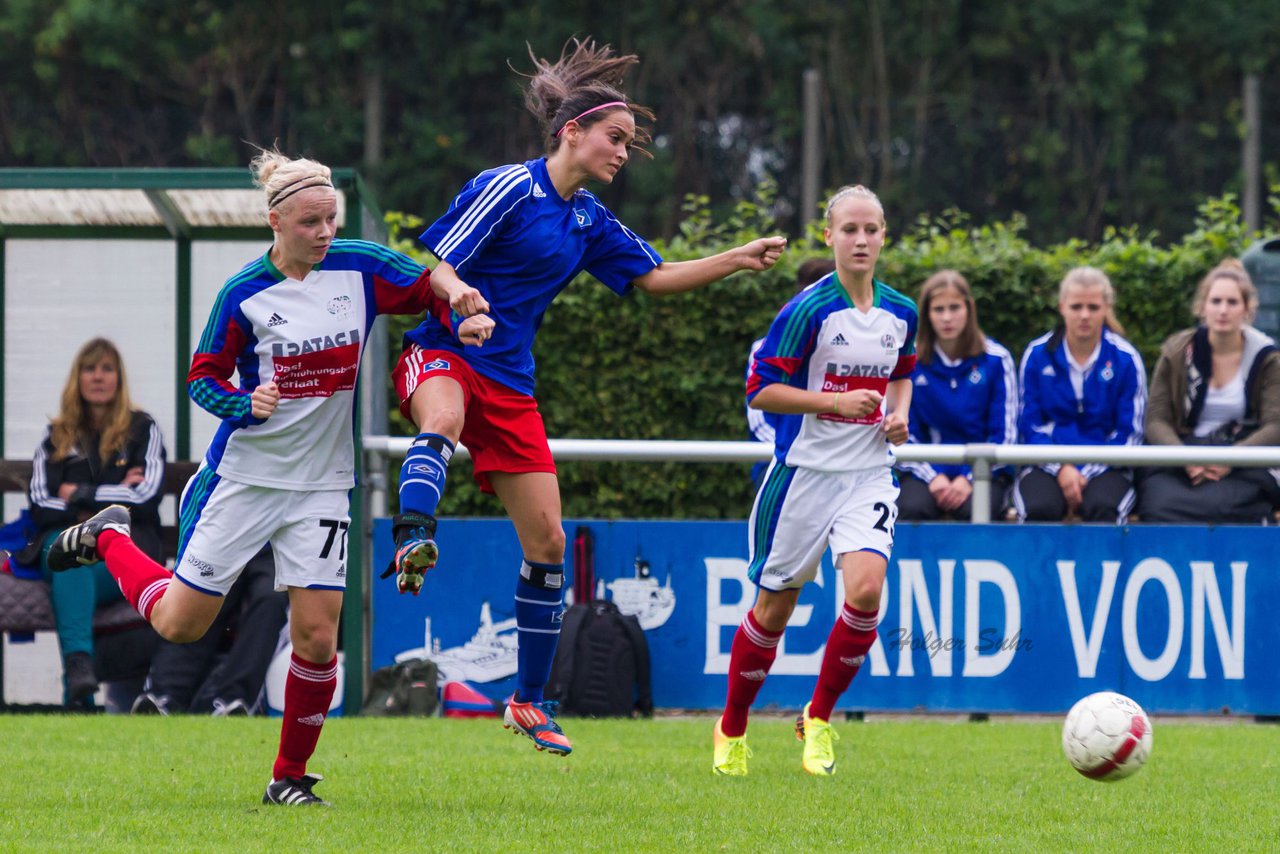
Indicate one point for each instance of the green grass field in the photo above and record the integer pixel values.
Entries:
(77, 783)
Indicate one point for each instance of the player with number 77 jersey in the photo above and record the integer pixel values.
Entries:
(292, 324)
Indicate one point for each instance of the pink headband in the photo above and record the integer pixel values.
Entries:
(589, 112)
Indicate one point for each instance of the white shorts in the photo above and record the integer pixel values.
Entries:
(799, 512)
(225, 523)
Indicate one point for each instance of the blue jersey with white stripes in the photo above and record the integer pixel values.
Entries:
(512, 237)
(960, 402)
(1110, 411)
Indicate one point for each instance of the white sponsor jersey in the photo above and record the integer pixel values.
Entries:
(306, 336)
(821, 341)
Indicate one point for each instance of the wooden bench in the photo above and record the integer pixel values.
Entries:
(25, 606)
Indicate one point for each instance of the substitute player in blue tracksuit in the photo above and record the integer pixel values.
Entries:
(1082, 384)
(965, 391)
(520, 234)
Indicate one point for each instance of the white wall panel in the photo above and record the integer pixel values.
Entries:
(60, 293)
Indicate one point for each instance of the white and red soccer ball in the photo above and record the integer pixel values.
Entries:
(1106, 736)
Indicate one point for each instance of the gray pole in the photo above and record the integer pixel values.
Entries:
(812, 147)
(373, 98)
(1251, 153)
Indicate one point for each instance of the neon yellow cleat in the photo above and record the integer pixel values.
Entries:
(731, 754)
(819, 744)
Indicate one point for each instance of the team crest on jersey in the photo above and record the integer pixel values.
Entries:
(975, 376)
(1107, 373)
(581, 217)
(888, 342)
(340, 306)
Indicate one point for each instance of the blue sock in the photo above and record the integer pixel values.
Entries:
(539, 612)
(422, 473)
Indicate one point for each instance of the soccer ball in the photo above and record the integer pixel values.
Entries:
(1106, 736)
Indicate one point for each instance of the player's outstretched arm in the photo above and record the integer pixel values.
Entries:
(673, 277)
(462, 298)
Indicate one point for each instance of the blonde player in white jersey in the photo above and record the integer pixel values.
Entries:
(292, 324)
(835, 369)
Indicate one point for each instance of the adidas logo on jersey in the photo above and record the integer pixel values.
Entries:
(1049, 371)
(276, 320)
(312, 720)
(342, 571)
(537, 192)
(753, 675)
(839, 340)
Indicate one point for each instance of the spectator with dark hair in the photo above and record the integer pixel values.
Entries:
(759, 422)
(207, 676)
(965, 391)
(1082, 384)
(97, 451)
(1217, 383)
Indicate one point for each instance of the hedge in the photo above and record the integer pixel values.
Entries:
(673, 368)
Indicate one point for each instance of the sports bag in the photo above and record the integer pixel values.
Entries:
(601, 667)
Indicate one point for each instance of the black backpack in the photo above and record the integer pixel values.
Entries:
(405, 689)
(601, 667)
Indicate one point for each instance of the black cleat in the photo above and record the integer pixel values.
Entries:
(234, 709)
(294, 792)
(78, 545)
(150, 704)
(416, 550)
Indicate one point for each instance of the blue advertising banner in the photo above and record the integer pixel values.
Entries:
(974, 618)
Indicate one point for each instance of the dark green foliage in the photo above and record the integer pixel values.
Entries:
(1078, 113)
(673, 368)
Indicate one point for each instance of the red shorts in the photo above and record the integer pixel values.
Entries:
(502, 429)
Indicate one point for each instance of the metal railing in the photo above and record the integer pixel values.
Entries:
(983, 458)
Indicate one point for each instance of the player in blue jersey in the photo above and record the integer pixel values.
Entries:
(835, 371)
(292, 324)
(1082, 384)
(519, 234)
(965, 391)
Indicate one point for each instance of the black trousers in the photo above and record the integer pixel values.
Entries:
(193, 675)
(916, 504)
(1109, 497)
(1245, 496)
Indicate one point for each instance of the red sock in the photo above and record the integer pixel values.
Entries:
(847, 645)
(141, 579)
(752, 654)
(308, 690)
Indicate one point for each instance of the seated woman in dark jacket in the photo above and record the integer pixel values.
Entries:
(97, 451)
(1217, 383)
